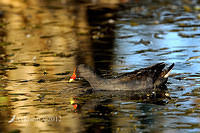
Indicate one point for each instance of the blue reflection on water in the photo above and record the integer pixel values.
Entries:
(172, 48)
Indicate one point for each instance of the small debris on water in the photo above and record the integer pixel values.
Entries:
(41, 81)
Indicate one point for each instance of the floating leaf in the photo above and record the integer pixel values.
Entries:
(156, 35)
(187, 8)
(194, 57)
(186, 35)
(41, 81)
(134, 24)
(188, 25)
(145, 42)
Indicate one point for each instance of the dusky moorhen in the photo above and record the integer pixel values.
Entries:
(151, 77)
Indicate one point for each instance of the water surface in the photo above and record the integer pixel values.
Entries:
(45, 40)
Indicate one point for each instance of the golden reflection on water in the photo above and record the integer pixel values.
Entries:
(32, 29)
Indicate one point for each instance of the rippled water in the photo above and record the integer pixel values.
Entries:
(44, 43)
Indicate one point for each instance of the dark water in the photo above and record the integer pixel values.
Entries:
(42, 41)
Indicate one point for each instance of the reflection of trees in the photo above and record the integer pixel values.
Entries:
(102, 36)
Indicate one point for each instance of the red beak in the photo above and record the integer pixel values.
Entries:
(73, 77)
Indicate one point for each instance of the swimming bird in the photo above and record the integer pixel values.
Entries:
(149, 78)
